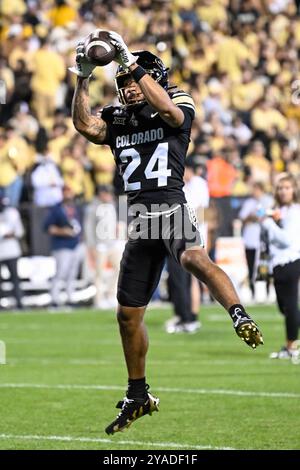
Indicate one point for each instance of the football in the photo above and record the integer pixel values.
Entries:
(98, 48)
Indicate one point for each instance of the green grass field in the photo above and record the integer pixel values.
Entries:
(65, 372)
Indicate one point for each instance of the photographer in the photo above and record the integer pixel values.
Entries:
(282, 228)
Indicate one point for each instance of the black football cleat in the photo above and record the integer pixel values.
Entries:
(247, 329)
(131, 410)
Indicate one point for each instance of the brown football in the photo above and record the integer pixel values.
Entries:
(98, 48)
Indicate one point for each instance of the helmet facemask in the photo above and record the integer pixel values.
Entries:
(152, 65)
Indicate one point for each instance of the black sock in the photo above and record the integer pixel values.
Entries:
(136, 388)
(236, 311)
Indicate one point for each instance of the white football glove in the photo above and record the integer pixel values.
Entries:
(83, 67)
(124, 56)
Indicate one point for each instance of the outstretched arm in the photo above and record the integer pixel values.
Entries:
(159, 99)
(91, 127)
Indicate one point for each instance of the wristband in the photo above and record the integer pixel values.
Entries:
(138, 73)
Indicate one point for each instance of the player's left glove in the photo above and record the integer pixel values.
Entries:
(124, 56)
(83, 67)
(248, 331)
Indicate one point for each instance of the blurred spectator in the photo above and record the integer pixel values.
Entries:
(282, 229)
(46, 180)
(240, 131)
(258, 164)
(103, 163)
(62, 13)
(48, 72)
(72, 167)
(24, 123)
(31, 16)
(63, 224)
(211, 12)
(232, 53)
(220, 176)
(213, 102)
(248, 214)
(22, 90)
(104, 247)
(265, 116)
(58, 140)
(246, 93)
(11, 230)
(7, 77)
(13, 156)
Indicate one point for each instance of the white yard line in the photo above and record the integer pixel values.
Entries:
(97, 342)
(197, 391)
(174, 445)
(104, 362)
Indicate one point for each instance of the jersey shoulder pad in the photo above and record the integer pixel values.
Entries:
(109, 113)
(183, 99)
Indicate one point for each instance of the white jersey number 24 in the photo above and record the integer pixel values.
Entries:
(162, 173)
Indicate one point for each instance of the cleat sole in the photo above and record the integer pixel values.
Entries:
(250, 334)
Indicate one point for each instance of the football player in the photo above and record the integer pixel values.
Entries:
(149, 134)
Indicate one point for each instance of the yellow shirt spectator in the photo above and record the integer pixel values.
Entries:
(19, 151)
(103, 163)
(211, 12)
(14, 158)
(48, 71)
(18, 53)
(8, 171)
(8, 78)
(230, 54)
(62, 15)
(73, 174)
(132, 20)
(264, 118)
(279, 29)
(56, 145)
(257, 162)
(188, 4)
(245, 95)
(13, 7)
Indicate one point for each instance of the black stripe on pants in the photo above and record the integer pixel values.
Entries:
(286, 281)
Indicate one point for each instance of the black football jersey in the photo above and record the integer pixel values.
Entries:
(149, 153)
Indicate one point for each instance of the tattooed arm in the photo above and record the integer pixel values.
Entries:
(91, 127)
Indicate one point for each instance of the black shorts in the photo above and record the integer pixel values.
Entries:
(152, 236)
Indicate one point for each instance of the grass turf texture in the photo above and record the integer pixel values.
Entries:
(60, 360)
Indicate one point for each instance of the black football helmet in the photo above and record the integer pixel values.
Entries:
(153, 66)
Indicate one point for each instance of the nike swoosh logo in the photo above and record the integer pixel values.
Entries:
(153, 115)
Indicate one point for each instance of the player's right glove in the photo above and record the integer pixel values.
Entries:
(83, 67)
(124, 56)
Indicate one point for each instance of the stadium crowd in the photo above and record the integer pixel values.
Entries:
(239, 60)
